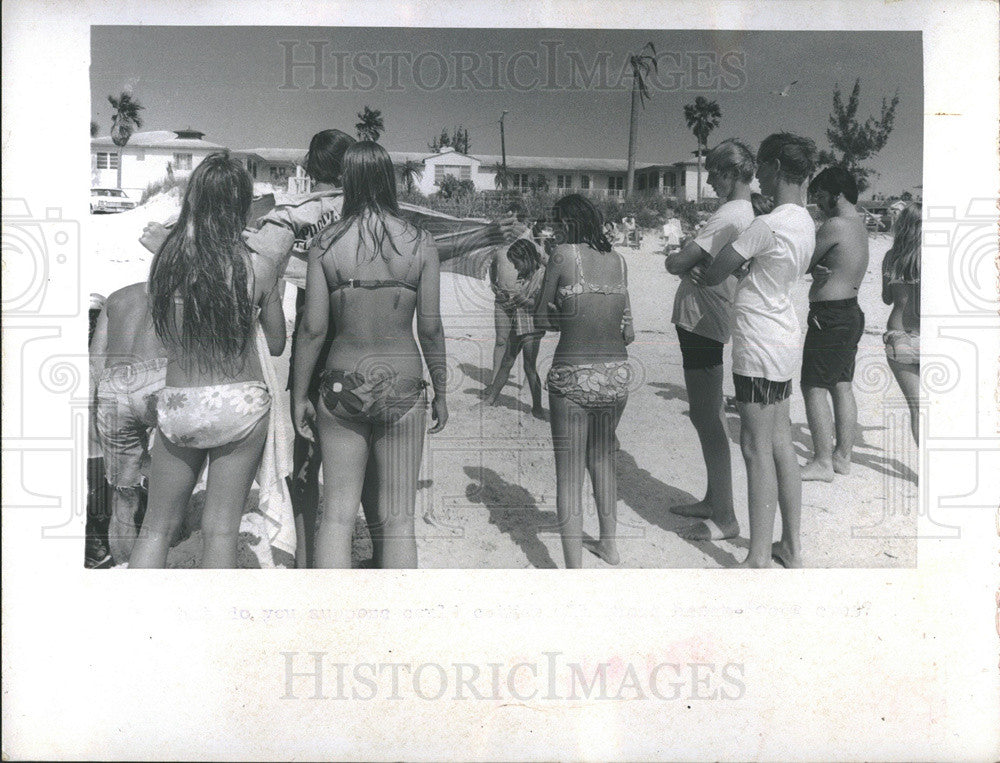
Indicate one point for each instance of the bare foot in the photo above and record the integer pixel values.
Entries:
(816, 472)
(748, 565)
(783, 556)
(606, 551)
(700, 510)
(841, 464)
(709, 530)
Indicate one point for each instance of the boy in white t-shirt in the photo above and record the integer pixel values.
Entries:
(766, 342)
(703, 316)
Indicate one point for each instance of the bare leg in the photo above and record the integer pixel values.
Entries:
(173, 474)
(601, 466)
(845, 414)
(705, 397)
(397, 451)
(306, 463)
(369, 504)
(231, 469)
(757, 444)
(787, 551)
(503, 321)
(511, 348)
(569, 443)
(529, 348)
(345, 456)
(122, 528)
(821, 427)
(908, 377)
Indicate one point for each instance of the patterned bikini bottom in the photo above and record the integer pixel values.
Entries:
(213, 416)
(382, 397)
(591, 385)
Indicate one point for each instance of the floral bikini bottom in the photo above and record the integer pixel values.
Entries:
(591, 385)
(209, 417)
(381, 397)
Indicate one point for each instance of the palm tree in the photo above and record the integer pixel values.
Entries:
(501, 176)
(408, 172)
(702, 117)
(642, 64)
(371, 125)
(124, 121)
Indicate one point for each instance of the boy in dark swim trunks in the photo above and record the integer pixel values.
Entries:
(836, 323)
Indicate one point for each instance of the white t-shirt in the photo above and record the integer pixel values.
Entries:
(708, 310)
(766, 335)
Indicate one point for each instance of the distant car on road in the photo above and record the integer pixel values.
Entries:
(106, 200)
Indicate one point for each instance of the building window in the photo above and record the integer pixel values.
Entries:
(585, 182)
(107, 161)
(182, 161)
(278, 173)
(564, 182)
(616, 183)
(640, 183)
(460, 171)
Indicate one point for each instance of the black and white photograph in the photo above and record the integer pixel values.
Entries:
(397, 312)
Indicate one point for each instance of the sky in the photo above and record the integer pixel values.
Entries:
(563, 89)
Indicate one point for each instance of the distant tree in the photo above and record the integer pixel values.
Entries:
(906, 196)
(125, 120)
(853, 142)
(501, 176)
(94, 129)
(371, 125)
(642, 64)
(702, 117)
(458, 140)
(538, 184)
(451, 187)
(408, 172)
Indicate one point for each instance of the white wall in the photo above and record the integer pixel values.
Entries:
(138, 173)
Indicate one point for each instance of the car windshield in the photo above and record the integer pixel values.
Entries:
(106, 192)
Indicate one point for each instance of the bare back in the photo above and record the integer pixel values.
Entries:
(373, 298)
(844, 242)
(130, 334)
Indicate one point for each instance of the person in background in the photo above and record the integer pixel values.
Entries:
(901, 289)
(703, 316)
(766, 336)
(836, 323)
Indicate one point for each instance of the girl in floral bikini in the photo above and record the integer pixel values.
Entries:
(217, 312)
(585, 297)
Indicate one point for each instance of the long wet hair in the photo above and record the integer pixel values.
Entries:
(579, 222)
(901, 263)
(369, 196)
(204, 264)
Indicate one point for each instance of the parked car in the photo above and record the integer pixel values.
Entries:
(106, 200)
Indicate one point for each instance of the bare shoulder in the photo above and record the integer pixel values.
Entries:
(128, 297)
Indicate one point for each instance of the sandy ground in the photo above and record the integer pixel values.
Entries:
(487, 489)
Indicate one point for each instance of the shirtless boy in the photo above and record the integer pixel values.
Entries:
(128, 367)
(836, 323)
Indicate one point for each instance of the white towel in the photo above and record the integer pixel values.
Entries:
(276, 464)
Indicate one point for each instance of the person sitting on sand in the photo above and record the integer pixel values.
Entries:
(901, 289)
(207, 296)
(703, 316)
(516, 279)
(129, 368)
(367, 275)
(779, 247)
(836, 323)
(585, 297)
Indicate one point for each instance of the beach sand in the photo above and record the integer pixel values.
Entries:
(487, 487)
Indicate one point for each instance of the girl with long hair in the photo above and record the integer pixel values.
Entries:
(585, 297)
(901, 289)
(207, 299)
(368, 274)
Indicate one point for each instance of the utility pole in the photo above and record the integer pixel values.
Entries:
(503, 152)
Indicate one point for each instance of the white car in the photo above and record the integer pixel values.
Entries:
(109, 200)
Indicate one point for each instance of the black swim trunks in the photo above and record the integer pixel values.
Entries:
(698, 351)
(835, 328)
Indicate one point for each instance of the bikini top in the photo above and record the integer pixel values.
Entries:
(583, 286)
(381, 283)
